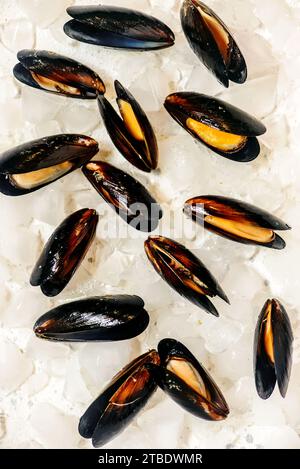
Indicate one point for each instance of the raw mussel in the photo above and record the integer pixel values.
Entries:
(184, 272)
(35, 164)
(187, 382)
(99, 318)
(128, 197)
(212, 42)
(120, 402)
(117, 27)
(64, 252)
(132, 134)
(272, 349)
(225, 129)
(236, 220)
(57, 74)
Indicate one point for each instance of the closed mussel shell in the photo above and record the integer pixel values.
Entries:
(184, 272)
(272, 349)
(118, 28)
(132, 134)
(35, 164)
(223, 128)
(57, 74)
(212, 42)
(99, 318)
(64, 252)
(236, 220)
(119, 403)
(187, 382)
(128, 197)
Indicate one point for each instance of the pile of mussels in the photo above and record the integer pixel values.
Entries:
(225, 130)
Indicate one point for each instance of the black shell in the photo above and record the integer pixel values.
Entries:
(99, 318)
(129, 198)
(184, 272)
(84, 83)
(118, 28)
(213, 408)
(64, 252)
(44, 153)
(231, 67)
(141, 153)
(119, 403)
(266, 372)
(219, 115)
(198, 208)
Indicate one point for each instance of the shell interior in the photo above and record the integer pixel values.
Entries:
(133, 127)
(223, 141)
(218, 32)
(130, 120)
(242, 229)
(268, 334)
(53, 85)
(188, 373)
(42, 176)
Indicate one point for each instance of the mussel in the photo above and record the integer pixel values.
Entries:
(272, 349)
(120, 402)
(223, 128)
(128, 197)
(64, 252)
(236, 220)
(184, 272)
(117, 27)
(132, 134)
(212, 42)
(187, 382)
(57, 74)
(99, 318)
(35, 164)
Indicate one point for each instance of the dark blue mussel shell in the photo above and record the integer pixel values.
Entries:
(211, 41)
(187, 382)
(131, 133)
(185, 107)
(272, 349)
(236, 220)
(35, 164)
(120, 402)
(99, 318)
(184, 272)
(118, 28)
(57, 74)
(127, 196)
(64, 251)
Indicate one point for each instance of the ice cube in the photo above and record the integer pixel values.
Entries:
(42, 12)
(18, 34)
(15, 366)
(60, 430)
(170, 417)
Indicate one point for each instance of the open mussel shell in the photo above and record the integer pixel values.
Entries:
(99, 318)
(223, 128)
(35, 164)
(236, 220)
(132, 134)
(212, 42)
(184, 272)
(272, 349)
(120, 402)
(128, 197)
(187, 382)
(118, 28)
(57, 74)
(64, 252)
